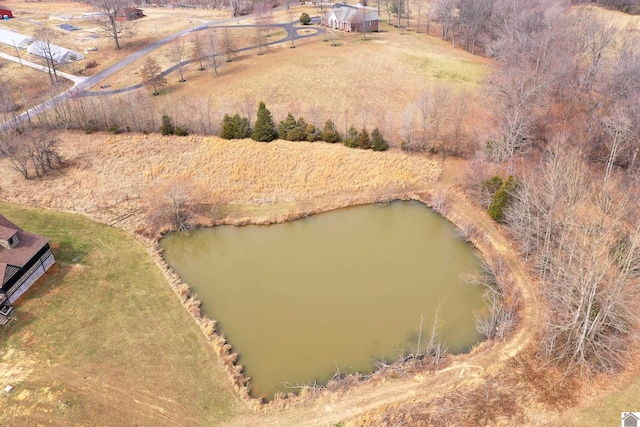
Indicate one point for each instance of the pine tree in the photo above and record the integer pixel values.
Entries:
(167, 127)
(377, 141)
(299, 132)
(264, 130)
(502, 199)
(363, 139)
(312, 133)
(241, 124)
(286, 126)
(352, 138)
(228, 131)
(330, 133)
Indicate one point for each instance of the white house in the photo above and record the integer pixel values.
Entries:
(349, 18)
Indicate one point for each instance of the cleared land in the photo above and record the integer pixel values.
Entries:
(359, 82)
(368, 83)
(102, 339)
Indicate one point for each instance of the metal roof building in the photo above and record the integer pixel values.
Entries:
(15, 39)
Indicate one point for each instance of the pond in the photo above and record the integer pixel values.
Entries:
(331, 291)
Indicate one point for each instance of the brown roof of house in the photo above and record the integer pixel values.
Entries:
(4, 222)
(6, 233)
(28, 247)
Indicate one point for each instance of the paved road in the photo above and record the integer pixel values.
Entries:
(82, 84)
(75, 79)
(288, 27)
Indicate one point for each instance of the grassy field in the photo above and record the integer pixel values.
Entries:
(604, 405)
(368, 83)
(102, 340)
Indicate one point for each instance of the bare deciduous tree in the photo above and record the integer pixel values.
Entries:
(178, 51)
(32, 152)
(44, 38)
(152, 76)
(173, 204)
(444, 12)
(228, 44)
(108, 22)
(577, 233)
(198, 50)
(619, 129)
(212, 47)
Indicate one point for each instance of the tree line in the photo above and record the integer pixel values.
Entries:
(290, 129)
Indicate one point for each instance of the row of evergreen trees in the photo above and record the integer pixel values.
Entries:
(290, 129)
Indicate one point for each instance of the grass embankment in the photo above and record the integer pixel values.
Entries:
(102, 339)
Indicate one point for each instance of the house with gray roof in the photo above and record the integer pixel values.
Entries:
(344, 17)
(24, 258)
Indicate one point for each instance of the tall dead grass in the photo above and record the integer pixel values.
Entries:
(117, 170)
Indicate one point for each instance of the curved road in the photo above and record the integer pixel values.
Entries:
(288, 27)
(81, 85)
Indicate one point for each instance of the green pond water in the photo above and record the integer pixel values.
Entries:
(336, 290)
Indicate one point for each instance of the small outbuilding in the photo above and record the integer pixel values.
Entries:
(5, 14)
(349, 18)
(24, 258)
(59, 54)
(13, 39)
(130, 14)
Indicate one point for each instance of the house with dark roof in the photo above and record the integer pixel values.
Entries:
(349, 18)
(130, 14)
(24, 258)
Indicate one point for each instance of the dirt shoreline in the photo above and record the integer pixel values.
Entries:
(456, 208)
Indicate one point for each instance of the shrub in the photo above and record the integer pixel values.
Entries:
(305, 19)
(181, 131)
(329, 133)
(167, 127)
(377, 141)
(352, 138)
(235, 127)
(502, 199)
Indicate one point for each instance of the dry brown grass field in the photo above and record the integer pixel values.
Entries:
(34, 84)
(357, 82)
(104, 168)
(370, 83)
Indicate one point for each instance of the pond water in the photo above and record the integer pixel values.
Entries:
(336, 290)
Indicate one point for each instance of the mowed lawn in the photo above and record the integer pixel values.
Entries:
(103, 340)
